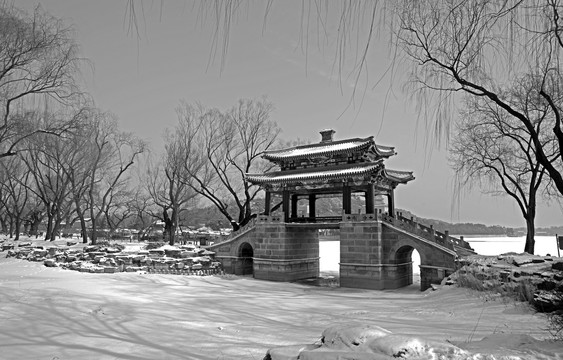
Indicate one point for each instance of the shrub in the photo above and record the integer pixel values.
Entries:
(470, 281)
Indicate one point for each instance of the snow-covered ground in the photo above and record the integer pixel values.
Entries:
(50, 313)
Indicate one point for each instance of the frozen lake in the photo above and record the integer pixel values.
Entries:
(329, 251)
(494, 245)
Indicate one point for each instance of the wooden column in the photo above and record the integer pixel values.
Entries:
(391, 202)
(267, 203)
(294, 200)
(370, 206)
(285, 206)
(347, 199)
(312, 205)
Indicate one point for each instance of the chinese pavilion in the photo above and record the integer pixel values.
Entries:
(330, 167)
(375, 248)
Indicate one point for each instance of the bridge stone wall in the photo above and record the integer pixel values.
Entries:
(436, 262)
(286, 252)
(361, 248)
(282, 252)
(228, 252)
(374, 253)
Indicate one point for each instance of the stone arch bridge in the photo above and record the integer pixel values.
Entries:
(375, 251)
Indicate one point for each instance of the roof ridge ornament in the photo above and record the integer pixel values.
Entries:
(326, 135)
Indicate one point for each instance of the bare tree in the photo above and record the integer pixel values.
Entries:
(38, 57)
(53, 162)
(165, 182)
(113, 154)
(77, 165)
(140, 203)
(14, 185)
(119, 209)
(495, 151)
(224, 147)
(49, 180)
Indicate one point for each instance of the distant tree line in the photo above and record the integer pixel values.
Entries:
(460, 228)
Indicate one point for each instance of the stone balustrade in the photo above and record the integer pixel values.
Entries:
(425, 232)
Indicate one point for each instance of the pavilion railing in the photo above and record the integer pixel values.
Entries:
(317, 219)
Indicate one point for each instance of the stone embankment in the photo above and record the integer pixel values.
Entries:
(535, 279)
(183, 260)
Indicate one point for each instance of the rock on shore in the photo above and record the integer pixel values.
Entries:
(532, 278)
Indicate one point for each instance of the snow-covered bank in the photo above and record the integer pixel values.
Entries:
(48, 313)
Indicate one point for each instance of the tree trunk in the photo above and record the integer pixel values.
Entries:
(169, 226)
(50, 218)
(94, 236)
(244, 222)
(530, 242)
(36, 218)
(3, 225)
(11, 231)
(234, 225)
(56, 229)
(49, 229)
(17, 227)
(80, 213)
(34, 227)
(83, 230)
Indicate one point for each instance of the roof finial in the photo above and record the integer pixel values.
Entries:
(327, 135)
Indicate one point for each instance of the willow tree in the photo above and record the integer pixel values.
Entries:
(486, 49)
(38, 60)
(226, 145)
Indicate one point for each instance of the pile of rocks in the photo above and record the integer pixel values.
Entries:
(112, 259)
(539, 279)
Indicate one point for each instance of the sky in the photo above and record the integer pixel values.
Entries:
(141, 76)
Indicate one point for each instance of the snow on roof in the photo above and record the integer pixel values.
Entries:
(399, 176)
(328, 148)
(334, 172)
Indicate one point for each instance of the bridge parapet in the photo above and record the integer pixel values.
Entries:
(235, 234)
(251, 225)
(278, 218)
(426, 232)
(423, 231)
(359, 217)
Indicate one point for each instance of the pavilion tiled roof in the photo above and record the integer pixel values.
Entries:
(324, 173)
(399, 176)
(328, 148)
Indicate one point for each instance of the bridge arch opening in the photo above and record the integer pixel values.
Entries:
(246, 255)
(408, 260)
